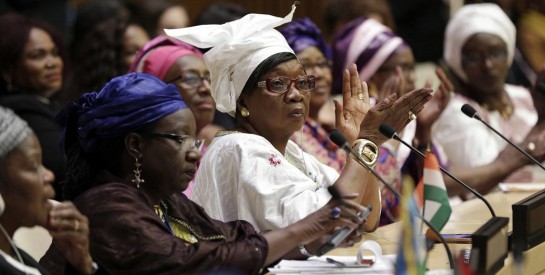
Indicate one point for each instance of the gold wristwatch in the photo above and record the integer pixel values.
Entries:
(367, 151)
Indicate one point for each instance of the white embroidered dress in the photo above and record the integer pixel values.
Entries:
(243, 177)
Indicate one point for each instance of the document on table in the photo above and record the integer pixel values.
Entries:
(521, 186)
(319, 265)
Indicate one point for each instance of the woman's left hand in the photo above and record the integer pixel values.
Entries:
(70, 231)
(350, 114)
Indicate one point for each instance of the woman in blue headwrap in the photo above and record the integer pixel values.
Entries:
(131, 152)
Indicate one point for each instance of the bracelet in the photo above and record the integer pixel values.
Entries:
(304, 251)
(367, 151)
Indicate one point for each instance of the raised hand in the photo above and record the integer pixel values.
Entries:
(350, 114)
(396, 83)
(394, 112)
(433, 109)
(70, 231)
(538, 95)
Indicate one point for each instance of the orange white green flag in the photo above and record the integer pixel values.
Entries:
(431, 194)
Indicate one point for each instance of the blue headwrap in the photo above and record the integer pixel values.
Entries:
(125, 104)
(303, 33)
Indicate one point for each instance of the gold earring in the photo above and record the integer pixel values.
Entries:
(137, 179)
(244, 112)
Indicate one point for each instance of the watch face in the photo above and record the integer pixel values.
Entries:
(368, 151)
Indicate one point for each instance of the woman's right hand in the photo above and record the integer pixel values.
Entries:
(70, 231)
(534, 143)
(322, 222)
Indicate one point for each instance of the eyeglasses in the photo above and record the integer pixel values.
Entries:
(197, 143)
(282, 84)
(322, 64)
(475, 58)
(192, 80)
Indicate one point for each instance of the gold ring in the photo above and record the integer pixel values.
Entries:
(76, 225)
(412, 116)
(531, 146)
(360, 96)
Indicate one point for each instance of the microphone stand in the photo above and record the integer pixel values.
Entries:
(348, 149)
(386, 130)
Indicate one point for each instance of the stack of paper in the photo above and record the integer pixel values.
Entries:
(319, 265)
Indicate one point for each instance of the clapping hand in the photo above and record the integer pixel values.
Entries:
(433, 109)
(350, 114)
(394, 111)
(538, 95)
(395, 84)
(70, 231)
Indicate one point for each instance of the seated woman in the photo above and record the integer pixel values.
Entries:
(386, 63)
(131, 152)
(479, 47)
(32, 66)
(314, 54)
(25, 190)
(176, 62)
(256, 173)
(182, 64)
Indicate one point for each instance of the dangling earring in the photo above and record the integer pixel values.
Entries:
(137, 179)
(244, 112)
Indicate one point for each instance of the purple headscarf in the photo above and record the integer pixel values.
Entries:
(303, 33)
(365, 42)
(125, 104)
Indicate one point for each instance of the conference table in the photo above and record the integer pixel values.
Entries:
(466, 217)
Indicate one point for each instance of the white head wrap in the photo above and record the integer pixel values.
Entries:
(13, 131)
(238, 47)
(472, 19)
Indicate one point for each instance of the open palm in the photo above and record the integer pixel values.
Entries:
(350, 114)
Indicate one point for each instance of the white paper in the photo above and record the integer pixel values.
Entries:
(521, 187)
(319, 265)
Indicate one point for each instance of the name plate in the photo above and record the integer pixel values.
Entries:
(489, 246)
(528, 222)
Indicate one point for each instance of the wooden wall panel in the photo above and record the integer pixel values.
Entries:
(306, 8)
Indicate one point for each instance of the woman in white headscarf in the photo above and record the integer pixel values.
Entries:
(255, 173)
(479, 48)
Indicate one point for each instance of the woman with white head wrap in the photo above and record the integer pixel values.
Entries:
(256, 173)
(25, 187)
(479, 48)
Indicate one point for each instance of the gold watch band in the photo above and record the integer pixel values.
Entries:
(367, 150)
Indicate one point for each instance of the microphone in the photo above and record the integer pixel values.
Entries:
(472, 113)
(340, 141)
(390, 132)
